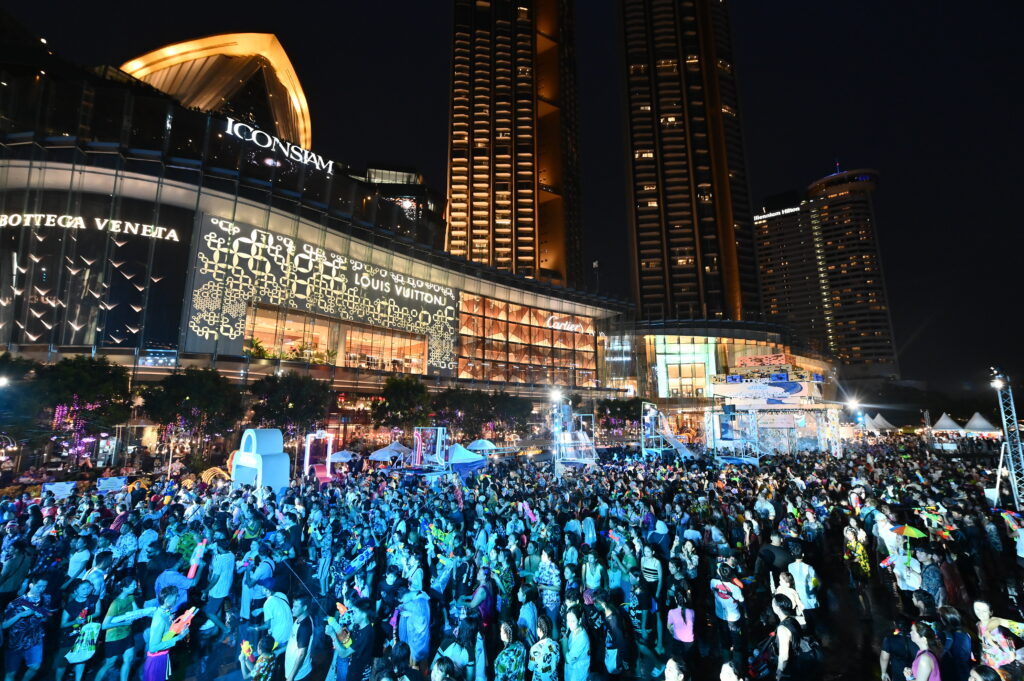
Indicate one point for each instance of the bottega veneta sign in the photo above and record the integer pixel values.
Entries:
(80, 222)
(265, 140)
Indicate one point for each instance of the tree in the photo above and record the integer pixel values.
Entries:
(461, 411)
(405, 403)
(199, 401)
(89, 393)
(20, 401)
(295, 403)
(512, 413)
(620, 412)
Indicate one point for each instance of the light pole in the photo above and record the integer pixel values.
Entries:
(1012, 451)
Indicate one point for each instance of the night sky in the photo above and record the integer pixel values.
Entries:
(928, 94)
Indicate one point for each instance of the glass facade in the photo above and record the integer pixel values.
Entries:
(682, 363)
(506, 342)
(134, 228)
(277, 333)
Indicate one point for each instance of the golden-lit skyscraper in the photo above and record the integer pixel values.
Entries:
(693, 243)
(513, 185)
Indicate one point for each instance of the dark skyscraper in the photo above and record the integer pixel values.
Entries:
(821, 272)
(693, 250)
(513, 187)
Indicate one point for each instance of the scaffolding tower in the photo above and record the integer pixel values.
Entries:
(1014, 453)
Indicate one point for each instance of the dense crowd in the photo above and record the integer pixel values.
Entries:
(631, 569)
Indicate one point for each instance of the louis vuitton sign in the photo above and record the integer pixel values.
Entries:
(238, 266)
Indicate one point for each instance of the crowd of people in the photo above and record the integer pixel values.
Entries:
(885, 562)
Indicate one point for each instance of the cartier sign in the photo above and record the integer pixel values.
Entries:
(561, 324)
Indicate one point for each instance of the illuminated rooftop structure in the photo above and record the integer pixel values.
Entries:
(245, 75)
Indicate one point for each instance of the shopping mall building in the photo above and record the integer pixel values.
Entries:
(172, 213)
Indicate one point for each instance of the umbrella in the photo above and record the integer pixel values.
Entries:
(908, 531)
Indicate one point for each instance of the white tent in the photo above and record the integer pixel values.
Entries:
(946, 423)
(398, 447)
(480, 446)
(387, 453)
(459, 454)
(869, 423)
(464, 461)
(343, 456)
(882, 424)
(980, 424)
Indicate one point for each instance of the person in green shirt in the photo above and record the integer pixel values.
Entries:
(118, 645)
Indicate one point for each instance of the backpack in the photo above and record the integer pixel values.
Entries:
(807, 650)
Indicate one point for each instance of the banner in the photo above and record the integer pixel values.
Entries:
(754, 394)
(776, 421)
(106, 485)
(765, 360)
(61, 490)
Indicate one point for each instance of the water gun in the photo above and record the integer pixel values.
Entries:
(340, 632)
(247, 651)
(441, 536)
(180, 624)
(1011, 518)
(888, 562)
(614, 537)
(197, 555)
(359, 561)
(529, 512)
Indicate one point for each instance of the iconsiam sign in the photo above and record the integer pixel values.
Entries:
(265, 140)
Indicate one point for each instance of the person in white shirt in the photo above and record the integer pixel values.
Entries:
(805, 582)
(222, 575)
(253, 574)
(79, 561)
(148, 536)
(728, 597)
(277, 620)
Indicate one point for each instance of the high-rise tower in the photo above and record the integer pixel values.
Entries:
(821, 272)
(513, 186)
(693, 250)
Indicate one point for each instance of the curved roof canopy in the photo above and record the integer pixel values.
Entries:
(209, 73)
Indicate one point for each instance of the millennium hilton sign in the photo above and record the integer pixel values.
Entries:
(265, 140)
